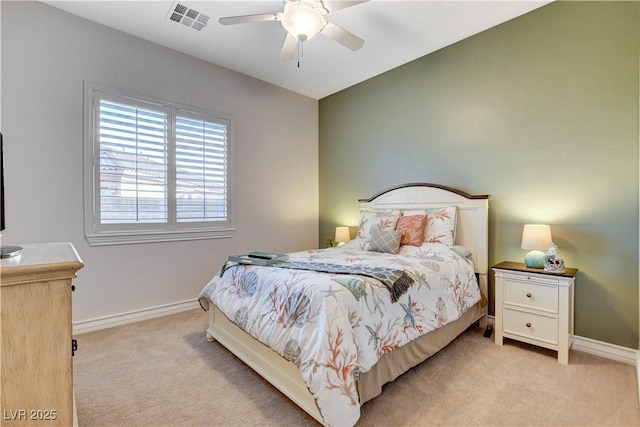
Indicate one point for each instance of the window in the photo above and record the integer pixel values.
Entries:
(154, 171)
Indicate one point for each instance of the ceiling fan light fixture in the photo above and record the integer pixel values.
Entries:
(302, 21)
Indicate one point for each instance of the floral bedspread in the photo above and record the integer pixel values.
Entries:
(335, 326)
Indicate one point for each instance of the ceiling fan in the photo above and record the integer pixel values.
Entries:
(303, 19)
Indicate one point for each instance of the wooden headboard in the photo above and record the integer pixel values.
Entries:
(472, 218)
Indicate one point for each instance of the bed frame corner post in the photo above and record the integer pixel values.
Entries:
(483, 282)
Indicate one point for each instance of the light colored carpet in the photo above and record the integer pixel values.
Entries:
(163, 372)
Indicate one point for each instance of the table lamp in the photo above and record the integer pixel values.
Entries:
(536, 238)
(343, 235)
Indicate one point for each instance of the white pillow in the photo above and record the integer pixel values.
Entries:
(441, 226)
(385, 220)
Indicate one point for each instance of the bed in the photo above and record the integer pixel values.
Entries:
(330, 327)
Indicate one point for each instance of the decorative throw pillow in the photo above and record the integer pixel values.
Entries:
(385, 220)
(441, 225)
(387, 241)
(412, 228)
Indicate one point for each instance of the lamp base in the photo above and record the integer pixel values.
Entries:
(534, 259)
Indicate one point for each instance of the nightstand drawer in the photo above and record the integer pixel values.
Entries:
(530, 295)
(534, 326)
(538, 278)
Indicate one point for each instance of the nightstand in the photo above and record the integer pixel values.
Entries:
(535, 306)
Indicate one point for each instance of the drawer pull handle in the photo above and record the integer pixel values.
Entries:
(528, 324)
(528, 294)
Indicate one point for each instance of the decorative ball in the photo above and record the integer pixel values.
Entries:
(534, 259)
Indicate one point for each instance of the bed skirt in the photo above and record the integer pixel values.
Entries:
(395, 363)
(285, 376)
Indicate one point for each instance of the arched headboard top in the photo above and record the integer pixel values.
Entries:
(472, 213)
(426, 184)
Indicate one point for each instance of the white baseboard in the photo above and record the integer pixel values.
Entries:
(606, 350)
(638, 371)
(602, 349)
(120, 319)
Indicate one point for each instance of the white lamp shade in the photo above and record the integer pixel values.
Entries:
(342, 234)
(536, 237)
(302, 22)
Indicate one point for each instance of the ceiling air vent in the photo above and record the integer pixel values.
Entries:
(188, 17)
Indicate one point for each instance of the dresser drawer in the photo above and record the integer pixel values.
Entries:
(531, 295)
(530, 325)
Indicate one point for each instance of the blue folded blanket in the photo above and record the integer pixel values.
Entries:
(398, 281)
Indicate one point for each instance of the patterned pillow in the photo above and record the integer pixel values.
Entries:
(386, 220)
(412, 227)
(387, 241)
(441, 225)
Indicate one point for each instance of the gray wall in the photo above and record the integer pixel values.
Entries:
(46, 56)
(540, 112)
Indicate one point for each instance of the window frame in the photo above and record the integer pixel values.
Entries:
(99, 234)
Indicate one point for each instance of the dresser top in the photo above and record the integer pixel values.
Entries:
(42, 261)
(519, 266)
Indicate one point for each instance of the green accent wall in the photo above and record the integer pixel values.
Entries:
(541, 113)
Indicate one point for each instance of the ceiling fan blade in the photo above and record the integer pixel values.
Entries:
(247, 19)
(333, 5)
(342, 36)
(288, 48)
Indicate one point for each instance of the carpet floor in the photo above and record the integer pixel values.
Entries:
(163, 372)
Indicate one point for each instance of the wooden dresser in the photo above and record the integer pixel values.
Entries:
(36, 378)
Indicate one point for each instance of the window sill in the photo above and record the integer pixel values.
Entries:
(128, 238)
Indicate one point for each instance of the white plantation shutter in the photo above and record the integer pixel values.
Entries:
(133, 164)
(154, 171)
(201, 170)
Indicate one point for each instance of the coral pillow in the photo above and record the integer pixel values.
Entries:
(412, 228)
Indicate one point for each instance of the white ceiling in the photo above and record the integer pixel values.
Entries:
(395, 32)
